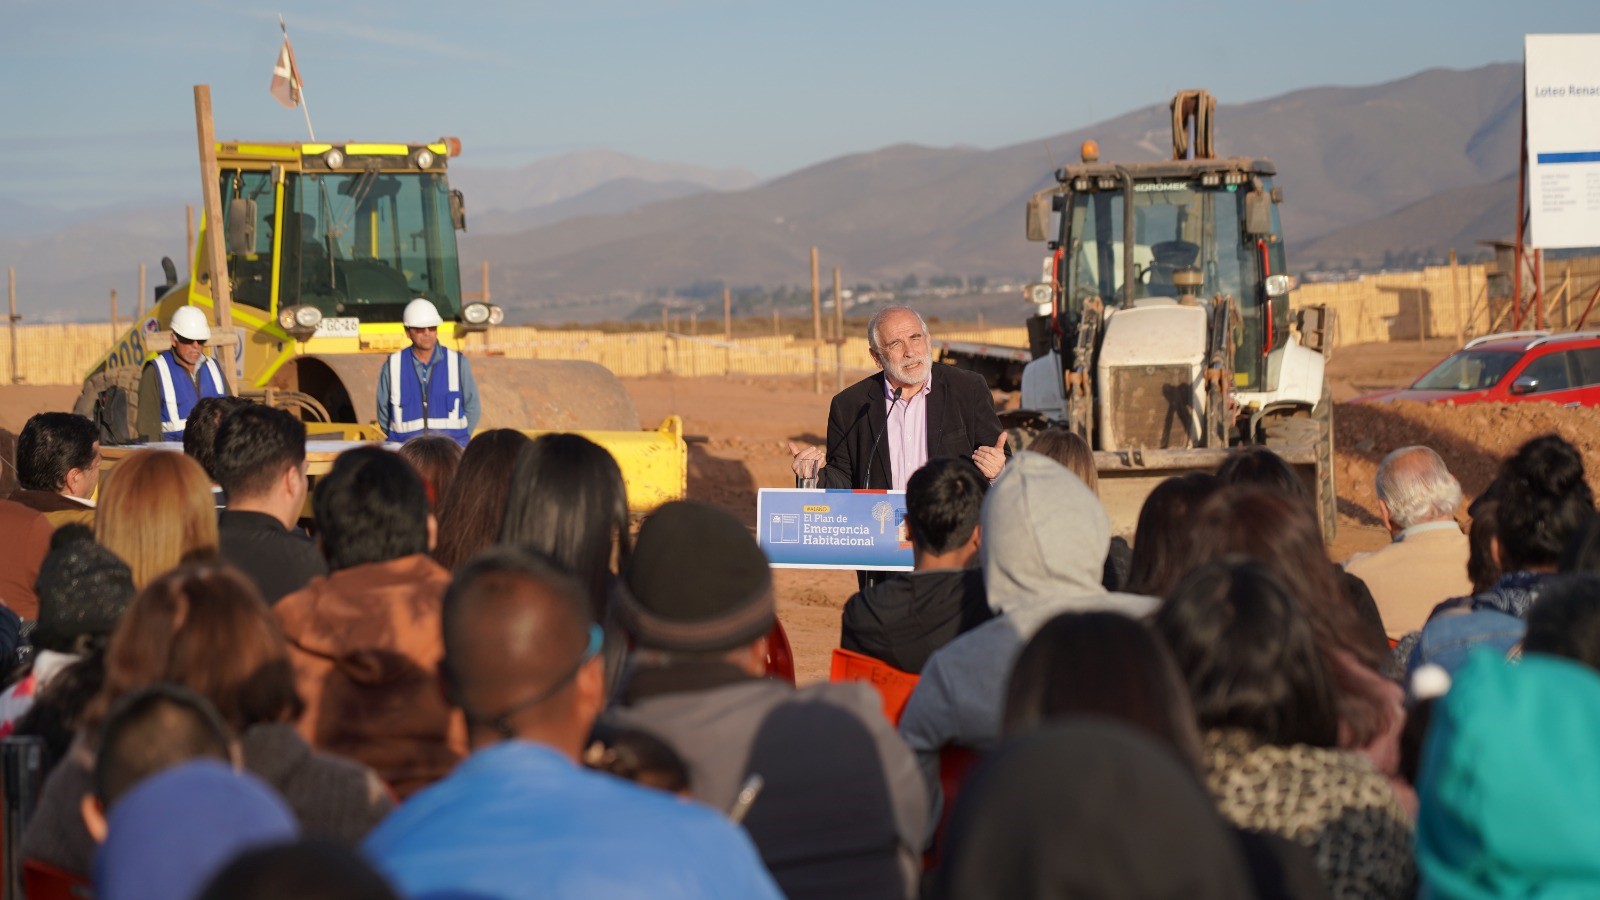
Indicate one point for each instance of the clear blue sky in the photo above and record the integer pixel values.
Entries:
(97, 103)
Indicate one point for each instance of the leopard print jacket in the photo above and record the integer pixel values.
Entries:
(1332, 802)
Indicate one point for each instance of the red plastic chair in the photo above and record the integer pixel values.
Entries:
(780, 658)
(42, 881)
(893, 685)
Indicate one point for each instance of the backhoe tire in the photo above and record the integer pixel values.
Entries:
(125, 377)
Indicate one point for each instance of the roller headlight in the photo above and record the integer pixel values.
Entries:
(1038, 294)
(334, 158)
(496, 315)
(423, 158)
(476, 313)
(286, 318)
(307, 316)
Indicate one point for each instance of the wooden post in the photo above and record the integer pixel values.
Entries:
(1422, 318)
(114, 328)
(11, 324)
(816, 326)
(838, 333)
(666, 342)
(1455, 297)
(1538, 288)
(1566, 296)
(188, 239)
(983, 333)
(486, 281)
(727, 331)
(139, 306)
(211, 193)
(694, 321)
(774, 321)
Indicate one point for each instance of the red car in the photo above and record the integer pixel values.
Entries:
(1513, 367)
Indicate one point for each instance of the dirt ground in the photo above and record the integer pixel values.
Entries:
(740, 428)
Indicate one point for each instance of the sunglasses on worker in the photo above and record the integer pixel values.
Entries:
(190, 341)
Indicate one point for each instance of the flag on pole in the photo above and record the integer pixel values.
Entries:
(286, 83)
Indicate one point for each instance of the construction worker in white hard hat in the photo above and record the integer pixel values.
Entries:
(178, 378)
(427, 388)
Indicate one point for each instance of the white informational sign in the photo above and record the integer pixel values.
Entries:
(1563, 103)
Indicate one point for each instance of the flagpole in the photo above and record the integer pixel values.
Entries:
(294, 75)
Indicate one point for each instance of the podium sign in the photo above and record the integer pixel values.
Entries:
(833, 529)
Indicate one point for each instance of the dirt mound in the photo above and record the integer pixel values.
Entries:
(1472, 439)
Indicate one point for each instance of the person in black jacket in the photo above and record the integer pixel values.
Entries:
(904, 619)
(260, 462)
(884, 427)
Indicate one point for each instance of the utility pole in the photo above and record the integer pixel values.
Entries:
(838, 333)
(1455, 297)
(816, 326)
(211, 192)
(11, 324)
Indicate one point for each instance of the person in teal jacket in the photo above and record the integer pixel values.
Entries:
(1510, 786)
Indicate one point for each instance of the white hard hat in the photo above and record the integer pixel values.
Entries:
(189, 322)
(421, 314)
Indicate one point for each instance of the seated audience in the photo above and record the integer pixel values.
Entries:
(24, 541)
(1089, 808)
(1161, 539)
(1102, 664)
(83, 590)
(519, 817)
(58, 467)
(1426, 561)
(205, 628)
(260, 460)
(364, 640)
(1109, 666)
(1542, 500)
(841, 812)
(1044, 548)
(169, 835)
(156, 512)
(567, 501)
(903, 619)
(472, 511)
(1282, 536)
(147, 731)
(1266, 703)
(1507, 790)
(307, 869)
(200, 437)
(435, 457)
(1566, 620)
(1071, 450)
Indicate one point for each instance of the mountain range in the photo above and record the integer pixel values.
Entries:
(1419, 164)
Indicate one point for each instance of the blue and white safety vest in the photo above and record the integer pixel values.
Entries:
(439, 410)
(178, 392)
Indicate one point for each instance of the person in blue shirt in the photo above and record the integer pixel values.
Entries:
(427, 388)
(178, 378)
(520, 817)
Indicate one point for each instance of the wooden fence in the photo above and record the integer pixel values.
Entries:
(62, 354)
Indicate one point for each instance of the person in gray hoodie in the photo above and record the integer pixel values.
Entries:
(1045, 538)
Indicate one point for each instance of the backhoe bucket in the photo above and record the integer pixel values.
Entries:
(1128, 476)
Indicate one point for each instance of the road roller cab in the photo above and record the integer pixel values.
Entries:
(325, 244)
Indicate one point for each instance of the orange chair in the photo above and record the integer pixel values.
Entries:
(41, 881)
(893, 686)
(780, 658)
(955, 762)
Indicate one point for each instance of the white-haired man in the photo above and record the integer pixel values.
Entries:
(886, 426)
(1426, 562)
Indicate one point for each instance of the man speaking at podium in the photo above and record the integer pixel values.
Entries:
(886, 426)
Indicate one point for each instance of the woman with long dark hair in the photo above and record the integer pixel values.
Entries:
(473, 510)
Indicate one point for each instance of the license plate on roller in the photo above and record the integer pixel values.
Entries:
(339, 327)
